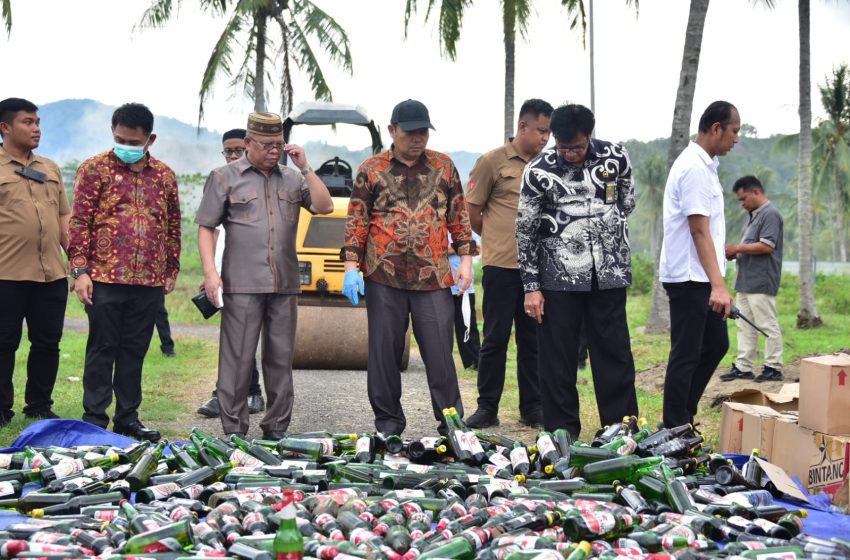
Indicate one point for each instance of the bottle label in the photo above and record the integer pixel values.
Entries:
(519, 456)
(409, 493)
(162, 491)
(6, 488)
(545, 445)
(460, 436)
(64, 469)
(5, 460)
(193, 490)
(289, 555)
(245, 459)
(683, 531)
(599, 522)
(105, 514)
(430, 442)
(499, 460)
(765, 524)
(421, 469)
(475, 445)
(327, 445)
(364, 445)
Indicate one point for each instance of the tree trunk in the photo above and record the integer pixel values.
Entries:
(659, 312)
(838, 205)
(807, 316)
(260, 64)
(509, 29)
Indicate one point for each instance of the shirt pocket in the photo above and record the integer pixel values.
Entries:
(12, 190)
(290, 204)
(243, 207)
(53, 189)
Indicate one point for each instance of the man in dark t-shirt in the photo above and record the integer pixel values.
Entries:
(759, 267)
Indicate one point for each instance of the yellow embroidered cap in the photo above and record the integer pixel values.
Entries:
(265, 124)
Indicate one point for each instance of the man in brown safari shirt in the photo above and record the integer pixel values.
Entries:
(492, 197)
(258, 201)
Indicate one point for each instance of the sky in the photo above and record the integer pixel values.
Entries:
(60, 50)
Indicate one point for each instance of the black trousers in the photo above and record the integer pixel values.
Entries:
(163, 328)
(698, 341)
(121, 322)
(603, 313)
(503, 312)
(42, 305)
(389, 311)
(470, 349)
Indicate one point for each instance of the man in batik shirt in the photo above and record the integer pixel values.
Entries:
(124, 253)
(404, 204)
(575, 262)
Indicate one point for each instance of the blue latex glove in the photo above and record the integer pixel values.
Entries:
(352, 283)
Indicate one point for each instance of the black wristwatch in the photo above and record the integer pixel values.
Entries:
(76, 272)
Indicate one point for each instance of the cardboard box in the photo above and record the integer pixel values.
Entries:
(757, 430)
(731, 426)
(786, 400)
(819, 460)
(825, 394)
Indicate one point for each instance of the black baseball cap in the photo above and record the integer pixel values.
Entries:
(411, 115)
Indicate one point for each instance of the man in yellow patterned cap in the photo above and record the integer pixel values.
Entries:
(257, 200)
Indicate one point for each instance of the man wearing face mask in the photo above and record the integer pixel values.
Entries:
(124, 253)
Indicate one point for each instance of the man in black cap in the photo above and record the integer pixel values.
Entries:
(232, 148)
(404, 204)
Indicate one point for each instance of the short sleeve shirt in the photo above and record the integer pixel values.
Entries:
(260, 216)
(693, 188)
(30, 224)
(760, 274)
(494, 184)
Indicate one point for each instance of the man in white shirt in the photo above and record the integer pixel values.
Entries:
(693, 263)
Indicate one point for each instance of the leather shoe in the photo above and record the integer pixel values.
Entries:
(533, 419)
(169, 353)
(6, 417)
(256, 404)
(274, 435)
(240, 435)
(210, 409)
(41, 415)
(482, 418)
(138, 431)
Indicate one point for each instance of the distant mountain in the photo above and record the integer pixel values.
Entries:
(75, 129)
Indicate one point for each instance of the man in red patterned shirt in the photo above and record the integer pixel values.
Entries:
(404, 204)
(124, 253)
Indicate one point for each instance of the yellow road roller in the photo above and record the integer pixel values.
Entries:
(331, 333)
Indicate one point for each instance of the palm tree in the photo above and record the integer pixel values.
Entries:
(835, 97)
(807, 315)
(515, 14)
(6, 15)
(274, 35)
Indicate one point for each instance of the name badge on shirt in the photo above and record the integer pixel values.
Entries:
(610, 192)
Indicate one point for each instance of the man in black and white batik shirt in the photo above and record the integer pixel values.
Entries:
(575, 262)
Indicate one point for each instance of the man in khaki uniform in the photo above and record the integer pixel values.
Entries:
(492, 198)
(258, 201)
(34, 215)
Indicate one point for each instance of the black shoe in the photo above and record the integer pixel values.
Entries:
(138, 431)
(274, 435)
(170, 353)
(769, 374)
(240, 435)
(6, 417)
(482, 418)
(41, 415)
(256, 404)
(210, 409)
(735, 373)
(533, 419)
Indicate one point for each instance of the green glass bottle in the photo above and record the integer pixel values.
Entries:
(623, 468)
(173, 537)
(140, 474)
(288, 542)
(455, 549)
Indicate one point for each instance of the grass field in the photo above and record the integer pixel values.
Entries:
(166, 379)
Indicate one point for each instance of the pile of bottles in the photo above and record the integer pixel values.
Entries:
(632, 492)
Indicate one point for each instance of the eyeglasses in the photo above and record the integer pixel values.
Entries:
(573, 149)
(233, 151)
(268, 146)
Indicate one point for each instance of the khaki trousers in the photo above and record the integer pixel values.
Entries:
(761, 310)
(243, 317)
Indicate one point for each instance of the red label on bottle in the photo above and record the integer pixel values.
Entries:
(289, 556)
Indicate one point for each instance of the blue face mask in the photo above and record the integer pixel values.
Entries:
(129, 154)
